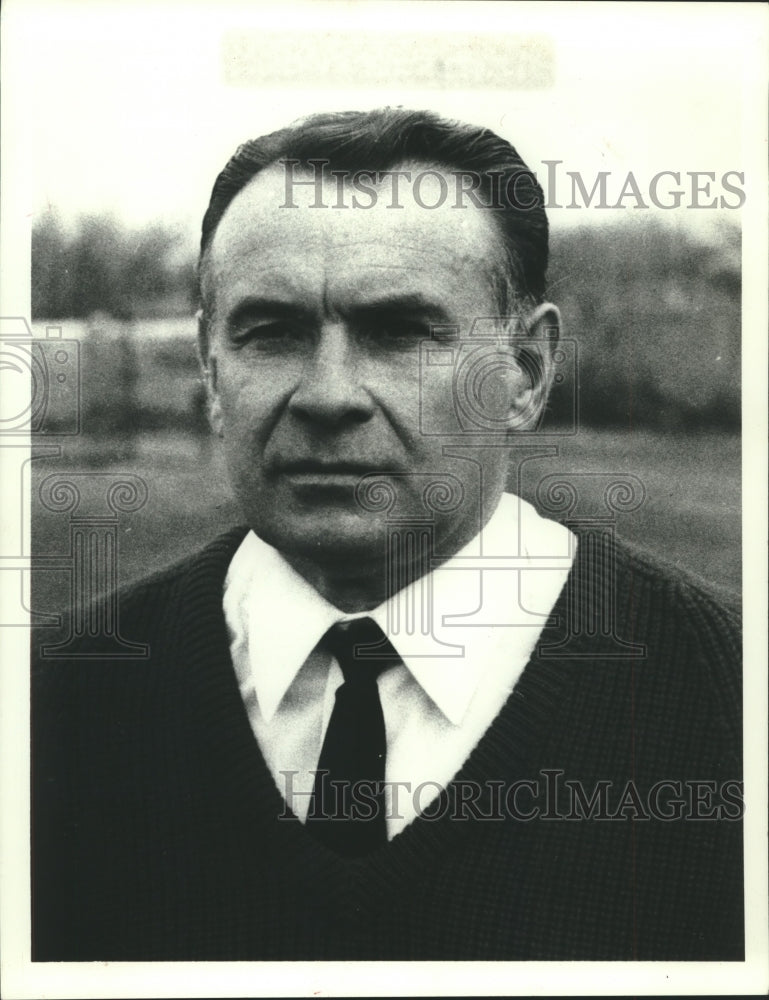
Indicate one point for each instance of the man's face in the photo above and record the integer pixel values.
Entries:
(313, 358)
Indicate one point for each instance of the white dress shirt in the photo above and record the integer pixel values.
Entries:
(464, 632)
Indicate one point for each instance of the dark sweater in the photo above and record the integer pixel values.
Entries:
(155, 818)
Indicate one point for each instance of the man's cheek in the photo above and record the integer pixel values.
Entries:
(245, 402)
(438, 405)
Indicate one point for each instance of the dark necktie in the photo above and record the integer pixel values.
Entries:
(347, 810)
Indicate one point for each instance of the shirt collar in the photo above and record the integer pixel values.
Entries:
(282, 616)
(448, 655)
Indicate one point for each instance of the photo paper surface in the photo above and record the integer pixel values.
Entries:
(483, 364)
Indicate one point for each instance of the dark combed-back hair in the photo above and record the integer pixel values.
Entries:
(386, 138)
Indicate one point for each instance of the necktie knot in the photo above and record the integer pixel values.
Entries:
(361, 648)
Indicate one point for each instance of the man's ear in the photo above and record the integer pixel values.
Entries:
(207, 362)
(535, 341)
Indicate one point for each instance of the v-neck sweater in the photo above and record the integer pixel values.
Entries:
(159, 833)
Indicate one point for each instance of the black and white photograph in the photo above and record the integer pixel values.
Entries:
(384, 499)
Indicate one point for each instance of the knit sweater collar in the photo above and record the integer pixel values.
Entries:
(507, 751)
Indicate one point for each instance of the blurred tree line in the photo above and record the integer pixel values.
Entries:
(97, 264)
(654, 311)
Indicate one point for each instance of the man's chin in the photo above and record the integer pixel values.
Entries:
(331, 540)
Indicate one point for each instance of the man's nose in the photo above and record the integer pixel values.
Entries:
(330, 390)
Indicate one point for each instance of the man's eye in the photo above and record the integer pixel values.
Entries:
(399, 332)
(270, 335)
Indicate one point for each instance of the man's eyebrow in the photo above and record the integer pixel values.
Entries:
(412, 303)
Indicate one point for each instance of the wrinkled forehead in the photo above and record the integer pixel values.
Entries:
(287, 221)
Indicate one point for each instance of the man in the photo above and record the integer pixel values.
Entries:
(380, 721)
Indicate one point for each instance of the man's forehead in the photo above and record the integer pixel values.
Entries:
(279, 220)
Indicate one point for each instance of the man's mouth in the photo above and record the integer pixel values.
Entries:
(325, 473)
(331, 467)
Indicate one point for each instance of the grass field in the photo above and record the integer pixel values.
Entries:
(691, 514)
